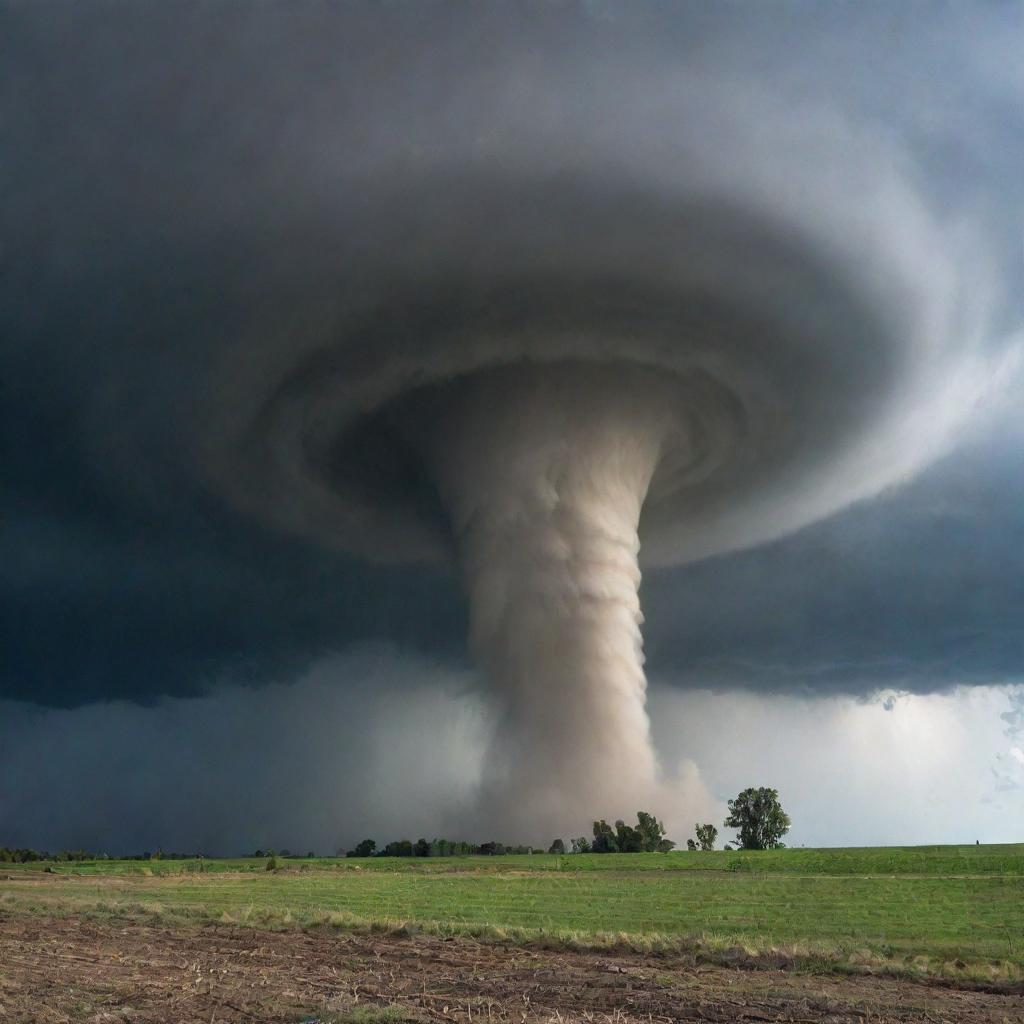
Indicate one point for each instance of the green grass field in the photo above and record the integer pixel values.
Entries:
(936, 904)
(933, 861)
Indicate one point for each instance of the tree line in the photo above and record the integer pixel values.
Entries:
(756, 813)
(434, 848)
(24, 855)
(646, 836)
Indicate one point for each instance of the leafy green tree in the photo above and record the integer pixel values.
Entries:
(421, 848)
(604, 838)
(558, 846)
(691, 845)
(650, 830)
(647, 836)
(627, 838)
(364, 849)
(706, 836)
(760, 819)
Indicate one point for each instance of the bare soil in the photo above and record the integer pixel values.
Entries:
(72, 969)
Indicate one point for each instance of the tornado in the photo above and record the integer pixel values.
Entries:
(543, 474)
(609, 383)
(544, 314)
(547, 385)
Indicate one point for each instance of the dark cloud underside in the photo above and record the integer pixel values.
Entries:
(157, 168)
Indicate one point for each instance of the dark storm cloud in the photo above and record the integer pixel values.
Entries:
(161, 164)
(368, 742)
(919, 590)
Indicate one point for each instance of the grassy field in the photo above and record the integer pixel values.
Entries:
(937, 905)
(933, 861)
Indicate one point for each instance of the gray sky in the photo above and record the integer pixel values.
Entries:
(173, 181)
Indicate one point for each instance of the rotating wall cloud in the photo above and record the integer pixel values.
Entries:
(545, 311)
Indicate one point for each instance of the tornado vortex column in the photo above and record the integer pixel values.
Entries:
(543, 472)
(528, 403)
(502, 293)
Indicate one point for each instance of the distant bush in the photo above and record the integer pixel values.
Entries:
(272, 864)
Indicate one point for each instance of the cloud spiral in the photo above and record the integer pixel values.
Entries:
(547, 320)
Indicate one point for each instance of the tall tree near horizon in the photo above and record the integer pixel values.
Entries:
(759, 816)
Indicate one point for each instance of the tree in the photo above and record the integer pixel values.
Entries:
(421, 848)
(581, 845)
(557, 846)
(363, 849)
(759, 817)
(691, 845)
(647, 836)
(627, 838)
(604, 838)
(652, 834)
(706, 836)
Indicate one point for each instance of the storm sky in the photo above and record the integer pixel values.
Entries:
(178, 668)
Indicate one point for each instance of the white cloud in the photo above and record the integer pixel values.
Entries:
(897, 769)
